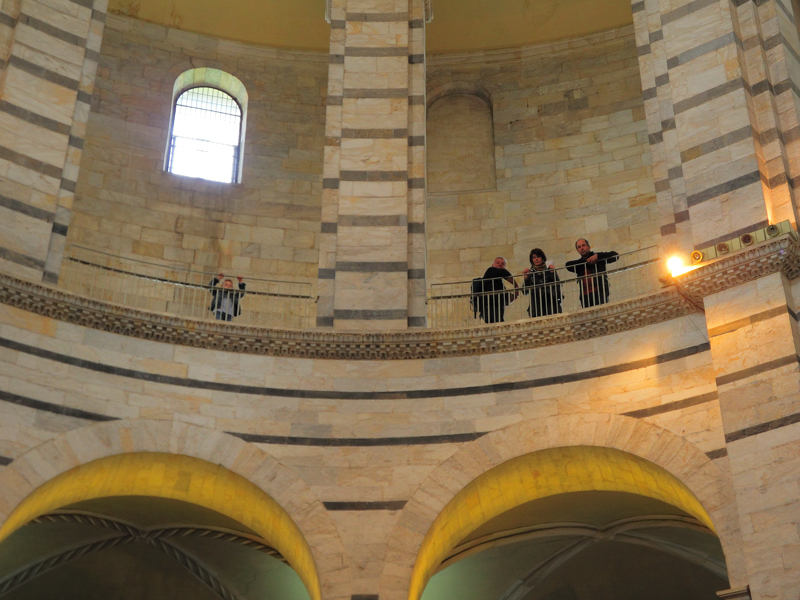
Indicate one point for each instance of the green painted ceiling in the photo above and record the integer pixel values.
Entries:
(458, 25)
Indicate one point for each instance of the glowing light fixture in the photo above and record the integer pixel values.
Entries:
(677, 267)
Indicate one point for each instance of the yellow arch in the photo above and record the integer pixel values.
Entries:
(538, 475)
(178, 477)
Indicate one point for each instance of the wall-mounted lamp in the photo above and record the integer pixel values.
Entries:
(677, 266)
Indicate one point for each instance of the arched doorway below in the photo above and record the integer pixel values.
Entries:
(571, 523)
(593, 545)
(142, 548)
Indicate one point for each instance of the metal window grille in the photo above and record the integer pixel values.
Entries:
(206, 132)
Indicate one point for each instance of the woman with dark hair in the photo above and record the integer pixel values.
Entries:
(543, 285)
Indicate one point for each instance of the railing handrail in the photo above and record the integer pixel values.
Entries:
(524, 288)
(559, 270)
(176, 268)
(194, 285)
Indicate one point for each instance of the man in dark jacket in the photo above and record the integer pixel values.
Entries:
(491, 295)
(591, 271)
(225, 301)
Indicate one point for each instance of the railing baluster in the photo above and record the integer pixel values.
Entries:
(178, 291)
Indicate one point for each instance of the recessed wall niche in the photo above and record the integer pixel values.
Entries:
(460, 145)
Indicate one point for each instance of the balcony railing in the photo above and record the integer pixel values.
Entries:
(291, 305)
(475, 302)
(185, 292)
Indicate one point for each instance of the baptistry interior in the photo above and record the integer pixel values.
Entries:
(250, 346)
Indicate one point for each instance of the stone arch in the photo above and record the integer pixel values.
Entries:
(211, 77)
(459, 87)
(85, 445)
(681, 459)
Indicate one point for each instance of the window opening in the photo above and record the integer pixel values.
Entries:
(206, 133)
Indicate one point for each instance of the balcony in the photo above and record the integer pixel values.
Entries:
(146, 314)
(270, 303)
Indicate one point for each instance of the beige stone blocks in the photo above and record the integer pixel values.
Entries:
(265, 227)
(571, 160)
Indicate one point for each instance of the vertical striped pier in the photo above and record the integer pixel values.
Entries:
(48, 61)
(372, 250)
(720, 101)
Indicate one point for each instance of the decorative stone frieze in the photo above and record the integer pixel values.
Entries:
(509, 337)
(779, 254)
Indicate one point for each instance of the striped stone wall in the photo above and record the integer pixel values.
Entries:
(48, 56)
(721, 113)
(372, 250)
(363, 435)
(753, 331)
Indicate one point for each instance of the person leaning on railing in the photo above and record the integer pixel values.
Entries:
(591, 271)
(492, 297)
(543, 286)
(225, 302)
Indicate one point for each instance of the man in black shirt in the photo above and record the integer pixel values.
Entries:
(491, 295)
(590, 269)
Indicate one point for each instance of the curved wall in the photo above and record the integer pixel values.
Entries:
(569, 144)
(571, 152)
(363, 436)
(126, 204)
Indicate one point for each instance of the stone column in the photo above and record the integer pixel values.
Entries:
(751, 304)
(49, 54)
(372, 249)
(722, 116)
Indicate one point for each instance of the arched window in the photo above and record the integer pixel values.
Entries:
(207, 126)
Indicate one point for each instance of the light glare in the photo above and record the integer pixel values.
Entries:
(675, 263)
(676, 266)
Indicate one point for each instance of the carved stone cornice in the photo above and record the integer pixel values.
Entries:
(431, 343)
(779, 254)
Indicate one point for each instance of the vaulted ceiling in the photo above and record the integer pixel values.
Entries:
(458, 25)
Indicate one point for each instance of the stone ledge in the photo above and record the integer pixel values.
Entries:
(779, 254)
(508, 337)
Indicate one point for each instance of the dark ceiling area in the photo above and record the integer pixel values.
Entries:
(585, 546)
(136, 548)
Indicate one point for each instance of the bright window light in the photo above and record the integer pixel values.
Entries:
(206, 130)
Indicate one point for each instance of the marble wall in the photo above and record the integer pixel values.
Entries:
(571, 155)
(126, 204)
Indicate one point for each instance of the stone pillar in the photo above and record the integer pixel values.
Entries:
(755, 343)
(721, 117)
(49, 53)
(372, 248)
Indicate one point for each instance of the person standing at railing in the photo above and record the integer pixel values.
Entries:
(543, 286)
(591, 271)
(489, 292)
(225, 302)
